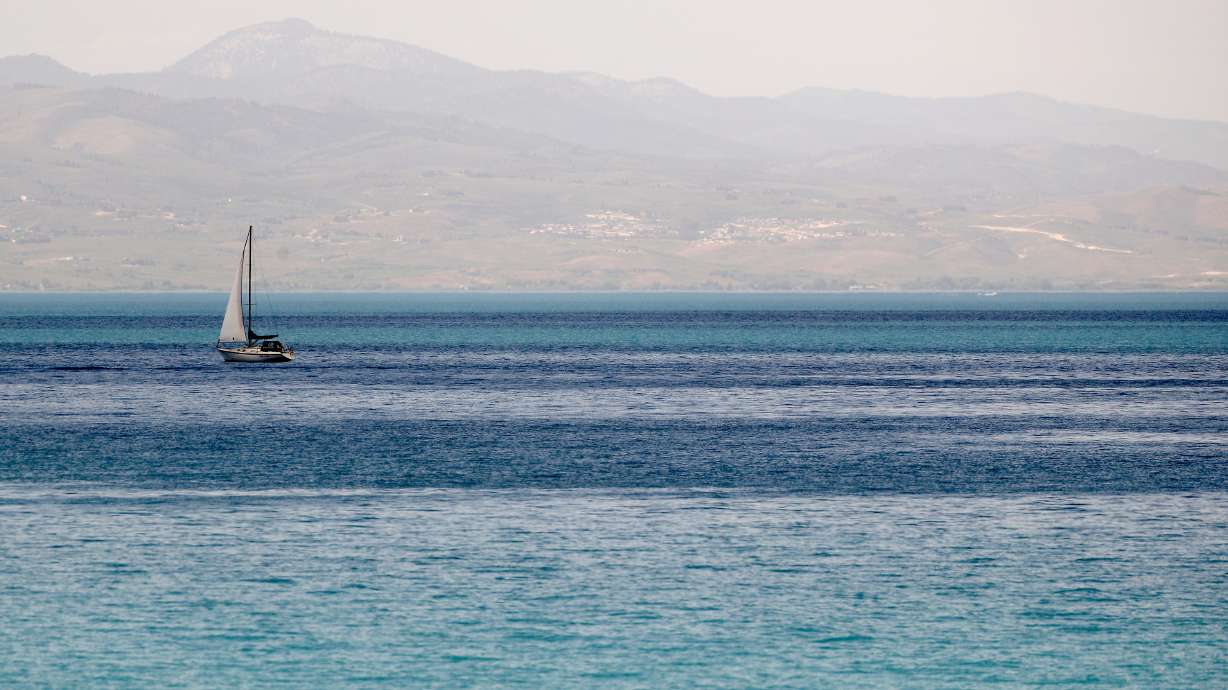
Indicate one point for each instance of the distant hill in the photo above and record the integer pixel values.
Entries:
(293, 47)
(294, 63)
(38, 70)
(372, 164)
(1015, 117)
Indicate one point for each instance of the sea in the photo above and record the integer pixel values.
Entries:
(616, 490)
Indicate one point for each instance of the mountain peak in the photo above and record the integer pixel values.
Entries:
(292, 47)
(36, 69)
(289, 25)
(651, 89)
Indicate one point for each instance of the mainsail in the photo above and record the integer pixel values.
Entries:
(232, 326)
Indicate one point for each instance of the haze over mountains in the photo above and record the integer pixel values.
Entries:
(371, 164)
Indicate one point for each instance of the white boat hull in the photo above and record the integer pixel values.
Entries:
(253, 354)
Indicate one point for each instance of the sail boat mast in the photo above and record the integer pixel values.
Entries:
(249, 284)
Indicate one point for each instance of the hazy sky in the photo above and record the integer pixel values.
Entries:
(1160, 56)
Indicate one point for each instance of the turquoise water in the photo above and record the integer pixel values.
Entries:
(617, 490)
(578, 588)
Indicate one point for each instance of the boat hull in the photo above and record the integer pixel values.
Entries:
(255, 356)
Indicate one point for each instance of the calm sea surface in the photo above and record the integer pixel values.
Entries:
(616, 491)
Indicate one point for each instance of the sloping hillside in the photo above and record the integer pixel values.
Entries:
(369, 164)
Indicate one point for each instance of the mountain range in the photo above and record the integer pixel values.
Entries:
(372, 164)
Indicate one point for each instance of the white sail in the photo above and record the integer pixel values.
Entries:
(232, 326)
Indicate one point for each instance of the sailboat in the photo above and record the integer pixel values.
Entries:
(238, 341)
